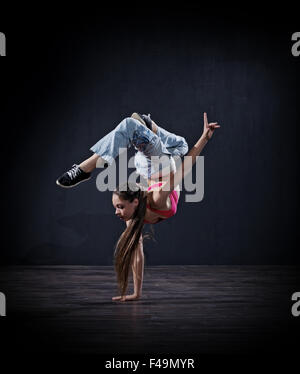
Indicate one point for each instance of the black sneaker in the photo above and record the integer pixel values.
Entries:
(73, 177)
(144, 119)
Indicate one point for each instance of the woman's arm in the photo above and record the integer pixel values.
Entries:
(187, 164)
(138, 269)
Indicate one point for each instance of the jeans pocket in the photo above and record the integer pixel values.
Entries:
(139, 141)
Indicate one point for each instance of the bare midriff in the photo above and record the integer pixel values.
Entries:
(154, 217)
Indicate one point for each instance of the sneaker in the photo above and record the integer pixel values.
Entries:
(73, 177)
(144, 119)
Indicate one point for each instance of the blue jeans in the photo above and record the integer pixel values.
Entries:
(147, 144)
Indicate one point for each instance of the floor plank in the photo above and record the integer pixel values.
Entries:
(184, 309)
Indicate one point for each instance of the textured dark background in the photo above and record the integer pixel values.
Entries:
(68, 80)
(69, 77)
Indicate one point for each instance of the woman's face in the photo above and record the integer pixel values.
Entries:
(124, 209)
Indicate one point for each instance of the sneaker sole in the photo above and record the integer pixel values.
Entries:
(61, 185)
(139, 118)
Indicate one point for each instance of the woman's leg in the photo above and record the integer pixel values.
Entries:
(177, 144)
(128, 132)
(90, 163)
(141, 117)
(152, 168)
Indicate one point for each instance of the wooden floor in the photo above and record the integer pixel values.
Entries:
(184, 309)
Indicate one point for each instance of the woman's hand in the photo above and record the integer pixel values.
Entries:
(126, 297)
(209, 128)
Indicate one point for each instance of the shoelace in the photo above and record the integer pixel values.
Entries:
(74, 172)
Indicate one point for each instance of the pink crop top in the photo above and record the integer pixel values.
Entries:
(167, 213)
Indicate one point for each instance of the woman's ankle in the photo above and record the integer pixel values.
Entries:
(89, 164)
(85, 168)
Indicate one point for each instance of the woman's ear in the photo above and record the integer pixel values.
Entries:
(136, 201)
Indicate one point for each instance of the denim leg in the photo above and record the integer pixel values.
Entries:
(176, 145)
(128, 132)
(149, 166)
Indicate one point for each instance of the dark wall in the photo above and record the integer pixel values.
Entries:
(68, 81)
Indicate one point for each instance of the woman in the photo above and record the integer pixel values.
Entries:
(133, 204)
